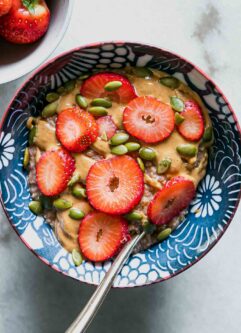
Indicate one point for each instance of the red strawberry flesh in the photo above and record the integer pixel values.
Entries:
(171, 200)
(93, 87)
(107, 126)
(115, 185)
(148, 119)
(192, 127)
(53, 171)
(76, 129)
(101, 235)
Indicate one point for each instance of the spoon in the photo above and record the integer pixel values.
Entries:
(85, 317)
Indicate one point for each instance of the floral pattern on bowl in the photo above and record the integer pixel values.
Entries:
(210, 212)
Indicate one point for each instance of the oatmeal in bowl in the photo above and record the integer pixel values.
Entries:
(114, 153)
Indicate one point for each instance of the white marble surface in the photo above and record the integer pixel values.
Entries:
(206, 298)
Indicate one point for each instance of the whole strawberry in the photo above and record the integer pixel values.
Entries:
(26, 22)
(5, 6)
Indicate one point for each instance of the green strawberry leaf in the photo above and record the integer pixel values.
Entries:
(30, 5)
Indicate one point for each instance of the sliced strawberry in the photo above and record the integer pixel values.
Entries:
(193, 125)
(93, 87)
(106, 126)
(148, 119)
(171, 200)
(53, 171)
(76, 129)
(115, 185)
(101, 235)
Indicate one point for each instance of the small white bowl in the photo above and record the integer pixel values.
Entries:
(18, 60)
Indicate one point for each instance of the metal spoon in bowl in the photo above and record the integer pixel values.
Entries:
(85, 317)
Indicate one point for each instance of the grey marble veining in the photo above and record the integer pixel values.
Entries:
(206, 298)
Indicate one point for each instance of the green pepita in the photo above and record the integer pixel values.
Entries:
(170, 82)
(149, 228)
(187, 150)
(142, 72)
(132, 146)
(176, 103)
(52, 97)
(147, 153)
(164, 234)
(101, 102)
(69, 86)
(35, 207)
(62, 91)
(50, 110)
(163, 166)
(208, 134)
(32, 134)
(74, 179)
(76, 213)
(141, 164)
(81, 101)
(133, 216)
(62, 204)
(119, 138)
(178, 118)
(46, 202)
(78, 191)
(113, 85)
(98, 111)
(77, 258)
(26, 158)
(119, 150)
(83, 77)
(104, 136)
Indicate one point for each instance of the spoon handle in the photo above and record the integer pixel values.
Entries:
(85, 317)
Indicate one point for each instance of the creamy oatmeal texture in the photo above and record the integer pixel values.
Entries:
(194, 168)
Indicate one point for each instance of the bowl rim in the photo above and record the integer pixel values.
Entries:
(98, 44)
(70, 6)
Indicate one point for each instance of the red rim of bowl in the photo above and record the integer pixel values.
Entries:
(98, 44)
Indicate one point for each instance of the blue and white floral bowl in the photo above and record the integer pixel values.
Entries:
(210, 212)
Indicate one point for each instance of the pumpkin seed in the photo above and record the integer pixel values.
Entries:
(77, 258)
(26, 158)
(170, 82)
(101, 102)
(35, 207)
(98, 111)
(176, 103)
(133, 216)
(69, 86)
(208, 134)
(132, 146)
(52, 97)
(75, 179)
(76, 213)
(30, 122)
(142, 71)
(50, 109)
(81, 101)
(187, 150)
(113, 85)
(164, 234)
(119, 138)
(104, 136)
(141, 164)
(83, 77)
(62, 204)
(163, 166)
(147, 153)
(62, 91)
(32, 134)
(78, 191)
(46, 202)
(119, 150)
(178, 118)
(149, 228)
